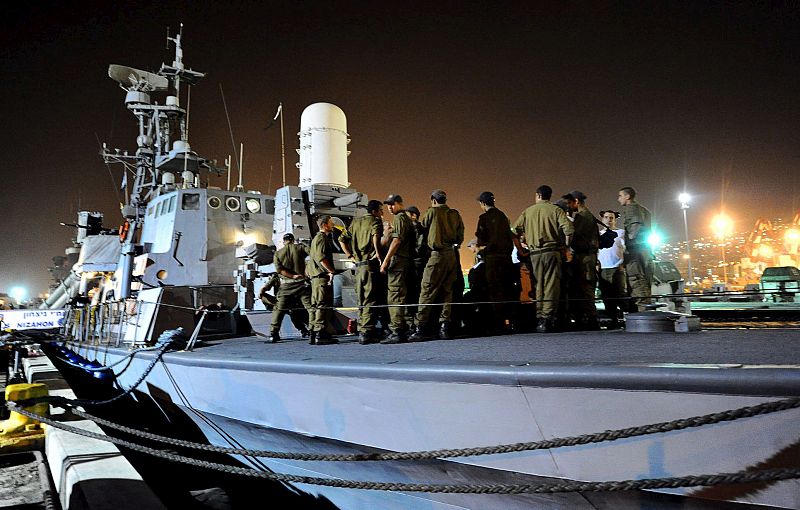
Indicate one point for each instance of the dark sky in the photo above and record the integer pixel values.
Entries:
(501, 97)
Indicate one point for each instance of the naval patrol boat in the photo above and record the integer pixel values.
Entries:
(466, 423)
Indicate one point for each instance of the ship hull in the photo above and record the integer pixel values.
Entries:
(239, 394)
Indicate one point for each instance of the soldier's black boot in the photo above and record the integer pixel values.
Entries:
(275, 337)
(541, 326)
(444, 331)
(367, 337)
(420, 334)
(325, 338)
(312, 337)
(396, 337)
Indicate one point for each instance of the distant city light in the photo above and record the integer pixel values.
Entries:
(722, 226)
(684, 199)
(18, 293)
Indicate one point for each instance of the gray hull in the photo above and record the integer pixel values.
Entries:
(456, 394)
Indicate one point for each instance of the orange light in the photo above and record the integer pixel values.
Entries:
(722, 226)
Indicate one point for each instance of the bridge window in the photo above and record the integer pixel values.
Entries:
(190, 202)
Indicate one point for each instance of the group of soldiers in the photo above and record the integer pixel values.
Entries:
(407, 273)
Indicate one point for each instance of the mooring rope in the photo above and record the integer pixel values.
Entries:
(538, 488)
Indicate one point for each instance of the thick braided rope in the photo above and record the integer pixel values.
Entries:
(608, 435)
(161, 350)
(621, 485)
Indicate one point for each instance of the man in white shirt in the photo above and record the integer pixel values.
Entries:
(612, 274)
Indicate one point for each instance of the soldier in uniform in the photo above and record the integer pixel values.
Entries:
(361, 242)
(421, 254)
(444, 233)
(321, 272)
(290, 265)
(398, 265)
(546, 228)
(585, 243)
(495, 242)
(638, 257)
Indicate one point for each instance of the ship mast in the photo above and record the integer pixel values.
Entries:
(162, 143)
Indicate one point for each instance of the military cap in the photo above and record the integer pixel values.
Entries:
(413, 209)
(392, 199)
(288, 236)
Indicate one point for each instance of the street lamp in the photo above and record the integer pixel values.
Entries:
(684, 198)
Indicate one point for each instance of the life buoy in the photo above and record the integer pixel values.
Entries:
(123, 231)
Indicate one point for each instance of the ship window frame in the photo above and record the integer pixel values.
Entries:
(215, 199)
(190, 202)
(233, 199)
(269, 206)
(171, 204)
(250, 200)
(159, 206)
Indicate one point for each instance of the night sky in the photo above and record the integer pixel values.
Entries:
(577, 95)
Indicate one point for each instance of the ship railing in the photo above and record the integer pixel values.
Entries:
(101, 324)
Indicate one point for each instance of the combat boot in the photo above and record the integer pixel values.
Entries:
(312, 337)
(421, 334)
(367, 337)
(444, 331)
(395, 338)
(275, 337)
(324, 338)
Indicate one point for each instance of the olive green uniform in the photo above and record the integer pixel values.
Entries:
(368, 282)
(544, 226)
(494, 235)
(638, 256)
(321, 292)
(292, 259)
(400, 273)
(585, 242)
(445, 230)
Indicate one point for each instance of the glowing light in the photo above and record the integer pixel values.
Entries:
(792, 235)
(684, 198)
(722, 226)
(655, 240)
(765, 251)
(243, 239)
(18, 293)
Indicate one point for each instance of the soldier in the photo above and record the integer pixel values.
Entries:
(546, 229)
(421, 254)
(638, 257)
(584, 248)
(612, 274)
(444, 232)
(495, 242)
(321, 272)
(362, 243)
(290, 265)
(398, 265)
